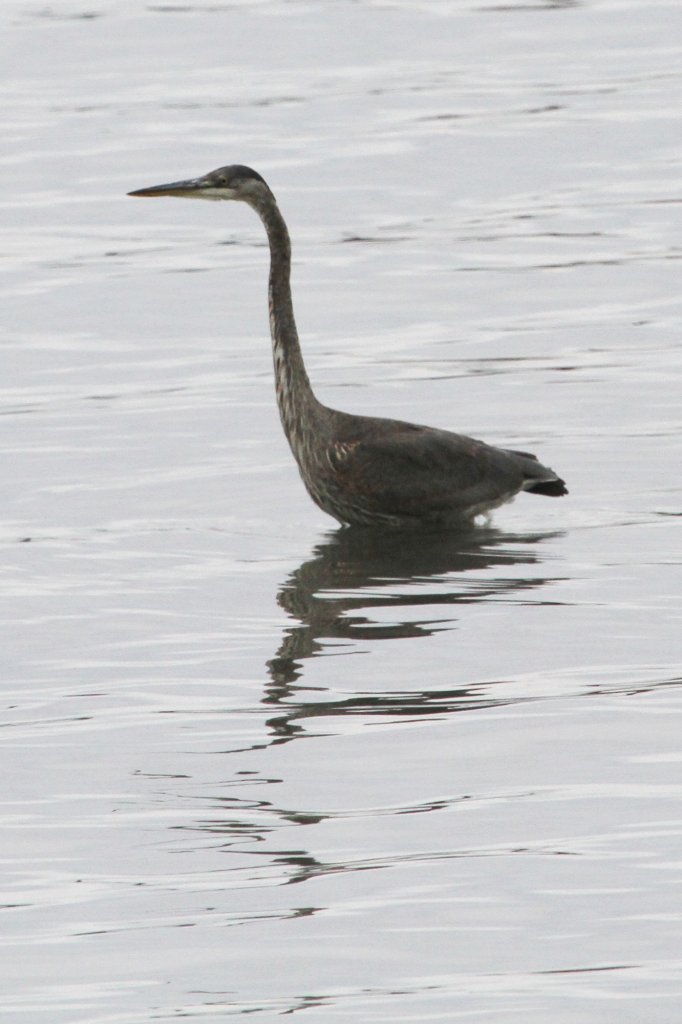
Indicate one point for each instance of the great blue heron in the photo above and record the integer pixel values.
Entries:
(362, 469)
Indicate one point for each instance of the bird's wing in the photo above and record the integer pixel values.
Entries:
(416, 471)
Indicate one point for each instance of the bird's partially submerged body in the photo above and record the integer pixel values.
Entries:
(371, 471)
(366, 470)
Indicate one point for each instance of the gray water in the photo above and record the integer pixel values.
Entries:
(253, 764)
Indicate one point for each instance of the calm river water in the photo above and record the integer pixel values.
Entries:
(254, 764)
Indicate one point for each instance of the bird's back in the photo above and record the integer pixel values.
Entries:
(371, 470)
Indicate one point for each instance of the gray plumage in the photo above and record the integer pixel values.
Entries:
(363, 469)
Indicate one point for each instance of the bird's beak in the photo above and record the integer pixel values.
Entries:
(190, 189)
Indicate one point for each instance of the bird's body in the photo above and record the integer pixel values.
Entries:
(365, 470)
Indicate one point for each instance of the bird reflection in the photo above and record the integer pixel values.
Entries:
(337, 599)
(332, 596)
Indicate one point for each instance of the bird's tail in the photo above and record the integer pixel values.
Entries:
(553, 488)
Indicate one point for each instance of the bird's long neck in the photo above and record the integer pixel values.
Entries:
(298, 407)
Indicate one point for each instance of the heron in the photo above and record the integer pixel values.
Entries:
(365, 470)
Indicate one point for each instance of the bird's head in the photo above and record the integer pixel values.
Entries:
(235, 182)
